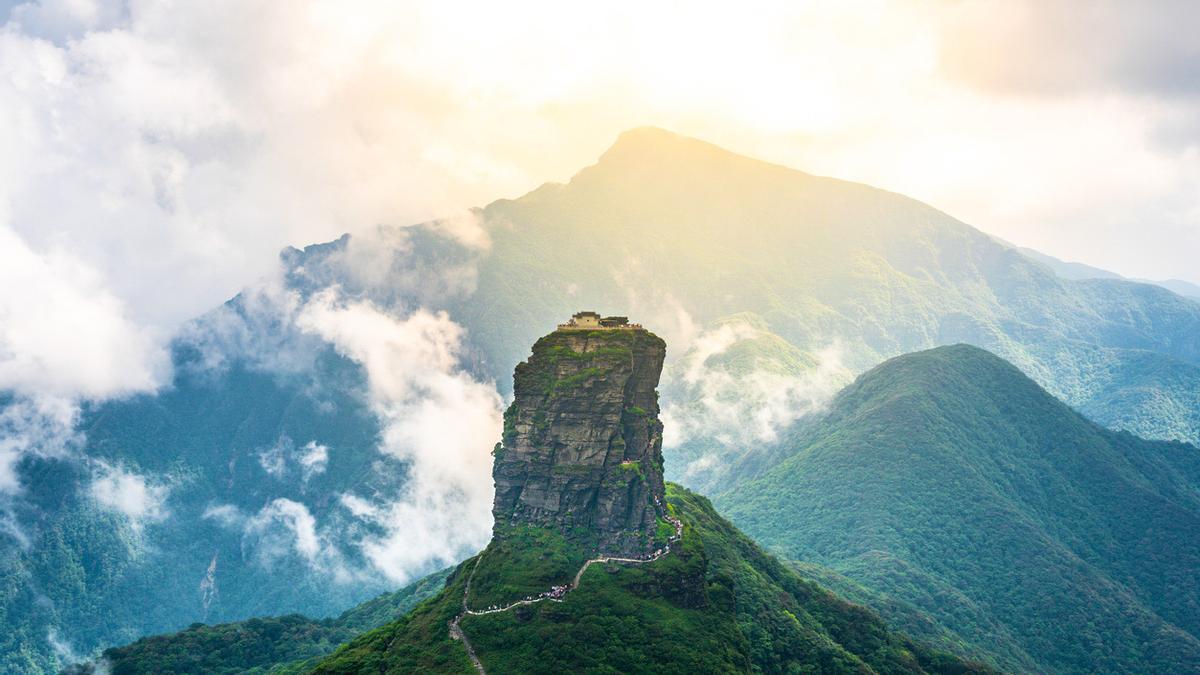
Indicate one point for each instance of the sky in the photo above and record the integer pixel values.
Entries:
(157, 155)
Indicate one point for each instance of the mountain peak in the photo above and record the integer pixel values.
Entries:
(950, 367)
(582, 446)
(937, 377)
(654, 144)
(648, 138)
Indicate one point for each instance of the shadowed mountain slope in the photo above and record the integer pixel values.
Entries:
(260, 645)
(948, 483)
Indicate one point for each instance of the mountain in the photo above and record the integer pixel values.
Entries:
(821, 262)
(258, 645)
(1184, 288)
(582, 447)
(972, 508)
(595, 563)
(595, 566)
(1075, 270)
(268, 427)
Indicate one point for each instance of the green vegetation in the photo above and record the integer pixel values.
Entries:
(663, 530)
(575, 379)
(254, 646)
(662, 617)
(523, 561)
(510, 422)
(717, 603)
(634, 466)
(418, 642)
(266, 645)
(93, 581)
(975, 510)
(558, 353)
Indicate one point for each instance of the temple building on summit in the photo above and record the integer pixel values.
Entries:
(593, 321)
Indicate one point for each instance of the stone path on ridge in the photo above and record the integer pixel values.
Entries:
(555, 594)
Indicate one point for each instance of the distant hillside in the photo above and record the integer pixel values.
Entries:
(1076, 271)
(972, 508)
(258, 645)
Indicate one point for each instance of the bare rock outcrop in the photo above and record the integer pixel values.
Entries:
(582, 446)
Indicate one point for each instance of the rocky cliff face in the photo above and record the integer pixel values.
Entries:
(582, 448)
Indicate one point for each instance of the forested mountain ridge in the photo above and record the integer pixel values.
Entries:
(259, 645)
(949, 482)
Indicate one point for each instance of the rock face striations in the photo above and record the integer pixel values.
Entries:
(582, 445)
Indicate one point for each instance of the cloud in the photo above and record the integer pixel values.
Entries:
(314, 459)
(227, 515)
(272, 460)
(130, 494)
(156, 157)
(296, 519)
(283, 528)
(62, 333)
(256, 330)
(1056, 47)
(42, 426)
(402, 268)
(62, 648)
(741, 405)
(436, 419)
(284, 458)
(359, 507)
(655, 306)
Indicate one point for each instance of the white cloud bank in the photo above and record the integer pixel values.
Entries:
(62, 333)
(741, 410)
(282, 528)
(137, 498)
(436, 419)
(42, 426)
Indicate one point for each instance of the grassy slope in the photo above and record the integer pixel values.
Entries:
(947, 483)
(718, 603)
(546, 559)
